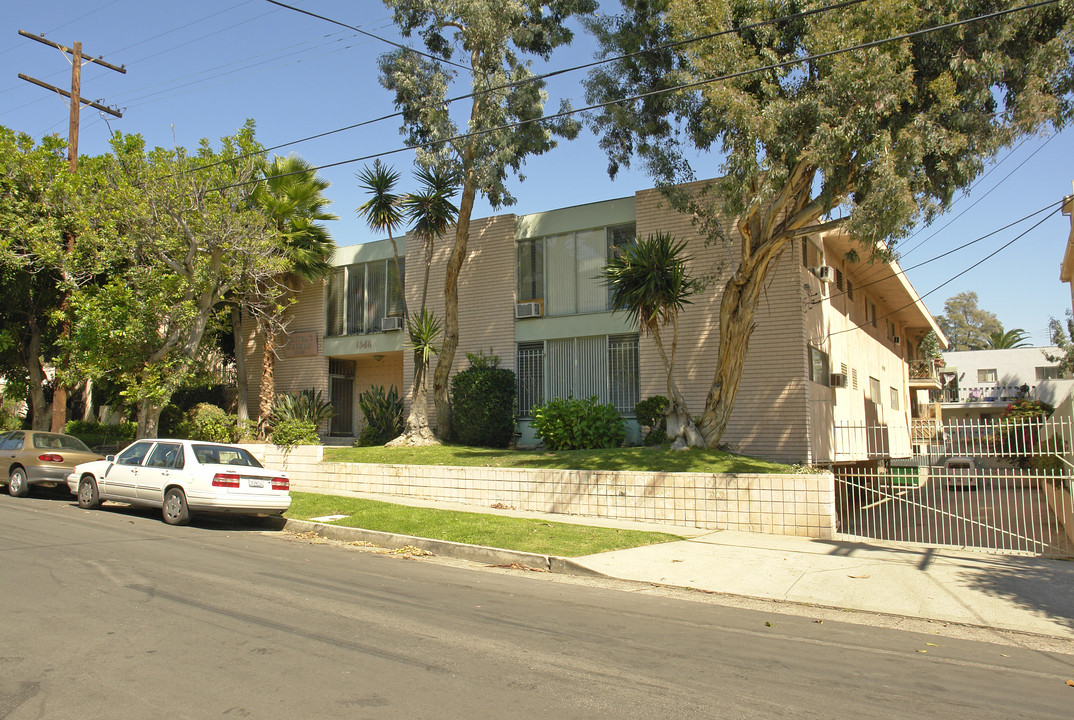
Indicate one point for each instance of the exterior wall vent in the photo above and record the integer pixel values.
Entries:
(533, 309)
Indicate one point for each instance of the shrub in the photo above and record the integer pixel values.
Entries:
(291, 432)
(9, 419)
(209, 423)
(383, 413)
(651, 413)
(483, 400)
(1018, 427)
(96, 434)
(574, 424)
(306, 405)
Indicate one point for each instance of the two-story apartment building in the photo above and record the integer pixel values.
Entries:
(828, 358)
(979, 384)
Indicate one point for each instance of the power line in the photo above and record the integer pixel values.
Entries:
(949, 280)
(652, 93)
(554, 73)
(375, 37)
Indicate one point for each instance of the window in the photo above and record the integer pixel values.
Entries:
(604, 366)
(812, 256)
(566, 271)
(530, 364)
(987, 375)
(134, 454)
(166, 455)
(13, 441)
(360, 295)
(894, 399)
(818, 366)
(874, 390)
(870, 312)
(1050, 372)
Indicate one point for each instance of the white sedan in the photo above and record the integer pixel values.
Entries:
(183, 476)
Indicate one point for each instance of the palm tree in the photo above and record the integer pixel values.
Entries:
(649, 281)
(382, 212)
(431, 212)
(292, 198)
(1016, 338)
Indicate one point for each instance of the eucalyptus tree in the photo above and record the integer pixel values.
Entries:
(187, 223)
(293, 202)
(501, 127)
(650, 281)
(809, 136)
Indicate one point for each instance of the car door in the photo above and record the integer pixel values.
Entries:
(156, 473)
(121, 480)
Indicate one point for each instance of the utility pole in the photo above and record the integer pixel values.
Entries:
(75, 101)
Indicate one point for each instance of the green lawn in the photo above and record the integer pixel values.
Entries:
(643, 459)
(527, 535)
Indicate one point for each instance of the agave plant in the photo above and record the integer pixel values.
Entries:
(383, 414)
(308, 405)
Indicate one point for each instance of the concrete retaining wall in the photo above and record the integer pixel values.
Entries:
(801, 505)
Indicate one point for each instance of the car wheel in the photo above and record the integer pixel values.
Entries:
(88, 497)
(17, 484)
(175, 509)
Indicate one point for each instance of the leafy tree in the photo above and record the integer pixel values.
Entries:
(650, 281)
(1062, 338)
(867, 142)
(1011, 339)
(293, 202)
(193, 239)
(489, 35)
(39, 216)
(967, 326)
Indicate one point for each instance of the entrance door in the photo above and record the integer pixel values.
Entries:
(342, 398)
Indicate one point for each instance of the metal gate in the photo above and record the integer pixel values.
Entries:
(1003, 487)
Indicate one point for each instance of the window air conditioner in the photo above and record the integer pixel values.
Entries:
(838, 380)
(391, 323)
(896, 339)
(825, 273)
(529, 310)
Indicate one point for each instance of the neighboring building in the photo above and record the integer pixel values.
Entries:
(1066, 269)
(979, 384)
(830, 355)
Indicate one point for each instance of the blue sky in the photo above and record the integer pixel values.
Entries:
(199, 68)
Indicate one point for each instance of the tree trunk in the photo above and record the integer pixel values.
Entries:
(417, 432)
(737, 308)
(59, 406)
(268, 381)
(442, 375)
(30, 355)
(681, 429)
(148, 419)
(241, 383)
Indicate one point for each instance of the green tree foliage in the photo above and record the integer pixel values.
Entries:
(967, 326)
(1062, 338)
(1016, 338)
(483, 398)
(192, 238)
(868, 142)
(573, 424)
(488, 37)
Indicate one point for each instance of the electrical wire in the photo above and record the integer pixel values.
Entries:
(685, 86)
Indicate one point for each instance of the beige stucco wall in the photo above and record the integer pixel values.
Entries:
(486, 294)
(770, 414)
(305, 314)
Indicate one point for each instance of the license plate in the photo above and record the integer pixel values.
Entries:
(256, 482)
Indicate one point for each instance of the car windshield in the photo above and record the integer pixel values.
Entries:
(224, 455)
(55, 441)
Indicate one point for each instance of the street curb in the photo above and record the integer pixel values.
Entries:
(444, 548)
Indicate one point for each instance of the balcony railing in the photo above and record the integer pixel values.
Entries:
(924, 370)
(986, 393)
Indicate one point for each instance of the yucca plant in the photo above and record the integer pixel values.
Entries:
(383, 413)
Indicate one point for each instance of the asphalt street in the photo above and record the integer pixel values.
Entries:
(113, 614)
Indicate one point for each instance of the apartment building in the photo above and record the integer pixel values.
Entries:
(827, 376)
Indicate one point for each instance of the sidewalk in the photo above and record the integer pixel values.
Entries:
(1025, 594)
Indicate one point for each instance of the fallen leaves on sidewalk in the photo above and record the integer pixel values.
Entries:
(1070, 683)
(409, 551)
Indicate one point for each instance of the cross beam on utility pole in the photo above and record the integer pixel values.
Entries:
(75, 96)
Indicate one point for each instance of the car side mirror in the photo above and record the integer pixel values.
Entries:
(110, 458)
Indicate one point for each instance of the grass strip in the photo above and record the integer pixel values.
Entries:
(509, 533)
(638, 459)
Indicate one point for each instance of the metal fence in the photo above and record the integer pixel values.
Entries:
(994, 487)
